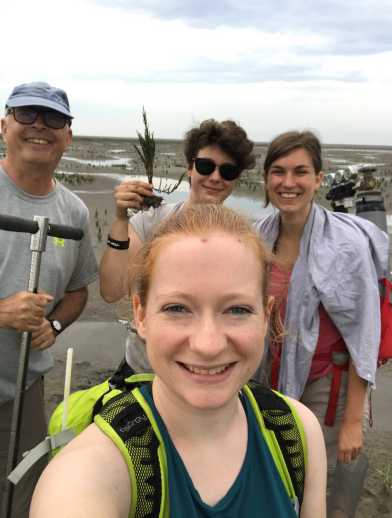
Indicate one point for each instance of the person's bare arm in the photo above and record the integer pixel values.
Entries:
(350, 439)
(89, 478)
(113, 270)
(24, 311)
(66, 311)
(314, 502)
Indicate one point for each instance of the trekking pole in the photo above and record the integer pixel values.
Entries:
(40, 228)
(67, 386)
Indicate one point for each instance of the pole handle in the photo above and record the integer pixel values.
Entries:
(65, 232)
(14, 224)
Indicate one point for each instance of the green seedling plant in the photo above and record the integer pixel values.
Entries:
(73, 179)
(146, 148)
(166, 187)
(386, 474)
(146, 151)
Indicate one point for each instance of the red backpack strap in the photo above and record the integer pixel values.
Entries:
(340, 361)
(385, 351)
(275, 365)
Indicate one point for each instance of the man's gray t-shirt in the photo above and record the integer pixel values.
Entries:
(66, 265)
(144, 223)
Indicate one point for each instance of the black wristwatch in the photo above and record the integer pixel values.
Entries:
(57, 326)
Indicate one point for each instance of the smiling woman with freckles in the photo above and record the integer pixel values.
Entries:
(325, 276)
(200, 303)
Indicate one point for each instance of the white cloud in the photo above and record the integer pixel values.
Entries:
(112, 60)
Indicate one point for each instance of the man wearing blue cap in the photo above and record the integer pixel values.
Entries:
(36, 130)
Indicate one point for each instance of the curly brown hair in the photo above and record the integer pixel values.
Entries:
(227, 135)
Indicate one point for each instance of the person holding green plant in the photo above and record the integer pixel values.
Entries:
(216, 154)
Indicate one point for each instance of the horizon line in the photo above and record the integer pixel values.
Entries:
(257, 143)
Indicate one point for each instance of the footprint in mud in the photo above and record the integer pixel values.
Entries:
(83, 365)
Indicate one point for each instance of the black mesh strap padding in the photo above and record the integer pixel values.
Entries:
(129, 420)
(98, 405)
(117, 381)
(123, 371)
(278, 417)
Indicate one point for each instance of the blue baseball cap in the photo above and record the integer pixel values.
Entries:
(39, 94)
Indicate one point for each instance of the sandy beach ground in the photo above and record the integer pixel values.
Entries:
(98, 339)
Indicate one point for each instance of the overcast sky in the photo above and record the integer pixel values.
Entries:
(270, 65)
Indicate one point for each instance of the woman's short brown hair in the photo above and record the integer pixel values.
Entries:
(285, 143)
(227, 135)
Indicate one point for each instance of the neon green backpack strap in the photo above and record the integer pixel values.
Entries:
(80, 409)
(84, 405)
(284, 434)
(128, 420)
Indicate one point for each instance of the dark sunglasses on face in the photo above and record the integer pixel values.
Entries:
(206, 166)
(51, 118)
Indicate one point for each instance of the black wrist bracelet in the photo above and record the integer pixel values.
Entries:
(116, 244)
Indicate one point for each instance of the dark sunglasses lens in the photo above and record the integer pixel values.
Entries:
(229, 171)
(52, 119)
(204, 166)
(25, 115)
(55, 120)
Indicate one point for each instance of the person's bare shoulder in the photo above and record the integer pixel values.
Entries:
(314, 503)
(309, 420)
(89, 477)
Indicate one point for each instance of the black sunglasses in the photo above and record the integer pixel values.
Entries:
(51, 118)
(206, 166)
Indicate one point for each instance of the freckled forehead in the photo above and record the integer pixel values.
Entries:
(205, 239)
(214, 259)
(219, 243)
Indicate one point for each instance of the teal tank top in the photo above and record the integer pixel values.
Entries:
(257, 492)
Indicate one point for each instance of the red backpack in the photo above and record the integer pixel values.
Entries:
(340, 360)
(384, 352)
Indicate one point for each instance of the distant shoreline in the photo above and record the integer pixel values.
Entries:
(134, 140)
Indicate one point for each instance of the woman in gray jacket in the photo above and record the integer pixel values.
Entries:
(325, 276)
